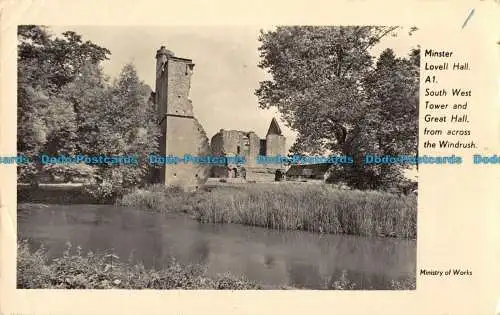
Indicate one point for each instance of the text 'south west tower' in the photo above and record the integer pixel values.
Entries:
(181, 133)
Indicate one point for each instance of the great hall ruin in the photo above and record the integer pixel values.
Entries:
(181, 133)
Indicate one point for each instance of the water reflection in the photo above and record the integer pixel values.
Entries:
(270, 257)
(304, 275)
(200, 251)
(269, 261)
(98, 219)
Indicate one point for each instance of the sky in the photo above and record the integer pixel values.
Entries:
(225, 74)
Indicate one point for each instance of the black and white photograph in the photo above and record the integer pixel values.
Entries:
(217, 157)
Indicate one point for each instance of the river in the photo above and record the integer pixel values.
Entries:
(270, 257)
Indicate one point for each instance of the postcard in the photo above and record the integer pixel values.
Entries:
(237, 157)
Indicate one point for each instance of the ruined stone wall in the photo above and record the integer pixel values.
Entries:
(231, 140)
(254, 149)
(275, 145)
(219, 171)
(227, 142)
(181, 133)
(185, 136)
(158, 171)
(179, 83)
(262, 150)
(161, 86)
(217, 144)
(251, 146)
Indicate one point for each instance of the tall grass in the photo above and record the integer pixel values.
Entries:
(314, 208)
(290, 206)
(159, 198)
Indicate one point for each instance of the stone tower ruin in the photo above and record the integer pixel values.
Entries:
(275, 141)
(181, 133)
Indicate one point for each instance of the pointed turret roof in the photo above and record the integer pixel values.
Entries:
(274, 128)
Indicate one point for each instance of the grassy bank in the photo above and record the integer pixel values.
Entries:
(73, 270)
(54, 195)
(289, 206)
(160, 198)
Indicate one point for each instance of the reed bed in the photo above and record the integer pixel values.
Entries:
(290, 206)
(313, 208)
(159, 198)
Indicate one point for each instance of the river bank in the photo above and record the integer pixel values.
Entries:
(270, 257)
(284, 206)
(282, 236)
(75, 270)
(290, 206)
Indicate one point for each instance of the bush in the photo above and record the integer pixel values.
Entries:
(70, 171)
(105, 271)
(406, 284)
(160, 198)
(343, 283)
(55, 195)
(110, 183)
(33, 271)
(103, 191)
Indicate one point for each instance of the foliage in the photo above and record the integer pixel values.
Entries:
(58, 194)
(51, 63)
(159, 198)
(105, 190)
(32, 269)
(67, 106)
(70, 172)
(405, 284)
(74, 270)
(343, 283)
(313, 208)
(328, 88)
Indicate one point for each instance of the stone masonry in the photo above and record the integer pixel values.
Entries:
(249, 145)
(181, 133)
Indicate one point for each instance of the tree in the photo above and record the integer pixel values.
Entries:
(47, 118)
(55, 61)
(125, 125)
(87, 96)
(328, 88)
(66, 105)
(46, 125)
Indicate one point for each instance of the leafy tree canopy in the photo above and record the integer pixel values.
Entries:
(338, 98)
(66, 105)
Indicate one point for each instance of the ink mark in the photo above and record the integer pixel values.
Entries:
(468, 18)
